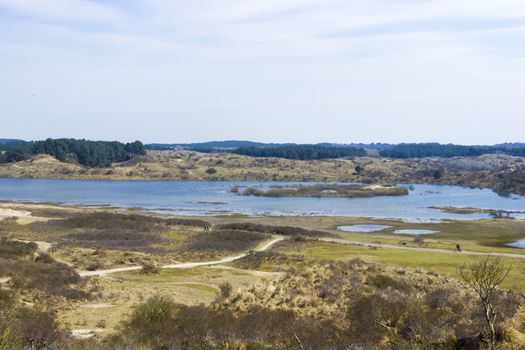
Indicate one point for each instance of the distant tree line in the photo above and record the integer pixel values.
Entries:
(421, 150)
(88, 153)
(302, 152)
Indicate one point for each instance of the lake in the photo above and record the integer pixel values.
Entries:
(214, 198)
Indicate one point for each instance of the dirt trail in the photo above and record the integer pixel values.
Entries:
(186, 265)
(429, 250)
(23, 217)
(84, 333)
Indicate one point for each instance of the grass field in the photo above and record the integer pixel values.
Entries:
(120, 292)
(443, 263)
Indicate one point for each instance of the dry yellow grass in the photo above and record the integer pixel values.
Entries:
(119, 293)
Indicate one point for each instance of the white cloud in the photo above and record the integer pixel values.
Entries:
(335, 70)
(64, 10)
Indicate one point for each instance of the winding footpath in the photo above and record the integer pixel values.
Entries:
(44, 247)
(186, 265)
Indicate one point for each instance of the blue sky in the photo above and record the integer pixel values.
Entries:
(265, 70)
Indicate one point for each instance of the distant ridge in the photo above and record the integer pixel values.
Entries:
(213, 145)
(234, 144)
(4, 141)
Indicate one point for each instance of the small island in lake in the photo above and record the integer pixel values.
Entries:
(496, 213)
(326, 191)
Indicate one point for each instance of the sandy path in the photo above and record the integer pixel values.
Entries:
(24, 217)
(429, 250)
(186, 265)
(8, 213)
(84, 333)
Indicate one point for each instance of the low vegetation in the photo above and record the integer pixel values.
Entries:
(275, 230)
(110, 230)
(320, 295)
(223, 240)
(9, 248)
(327, 190)
(329, 305)
(26, 270)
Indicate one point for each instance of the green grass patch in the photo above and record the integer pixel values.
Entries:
(444, 263)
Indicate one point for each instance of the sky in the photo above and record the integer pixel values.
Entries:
(300, 71)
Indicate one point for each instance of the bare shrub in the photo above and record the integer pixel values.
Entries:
(485, 276)
(225, 290)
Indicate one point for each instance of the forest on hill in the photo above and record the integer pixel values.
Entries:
(84, 152)
(337, 150)
(302, 152)
(103, 153)
(422, 150)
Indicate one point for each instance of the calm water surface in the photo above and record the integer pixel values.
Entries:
(214, 198)
(363, 228)
(415, 232)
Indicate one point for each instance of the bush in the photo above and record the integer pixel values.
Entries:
(26, 328)
(276, 230)
(151, 320)
(161, 324)
(149, 268)
(53, 278)
(114, 240)
(16, 248)
(94, 265)
(225, 290)
(224, 241)
(44, 258)
(385, 282)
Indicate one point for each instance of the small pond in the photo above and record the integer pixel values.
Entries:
(414, 232)
(363, 228)
(517, 244)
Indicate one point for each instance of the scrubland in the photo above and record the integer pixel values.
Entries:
(302, 293)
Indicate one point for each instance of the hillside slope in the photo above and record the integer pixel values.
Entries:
(502, 173)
